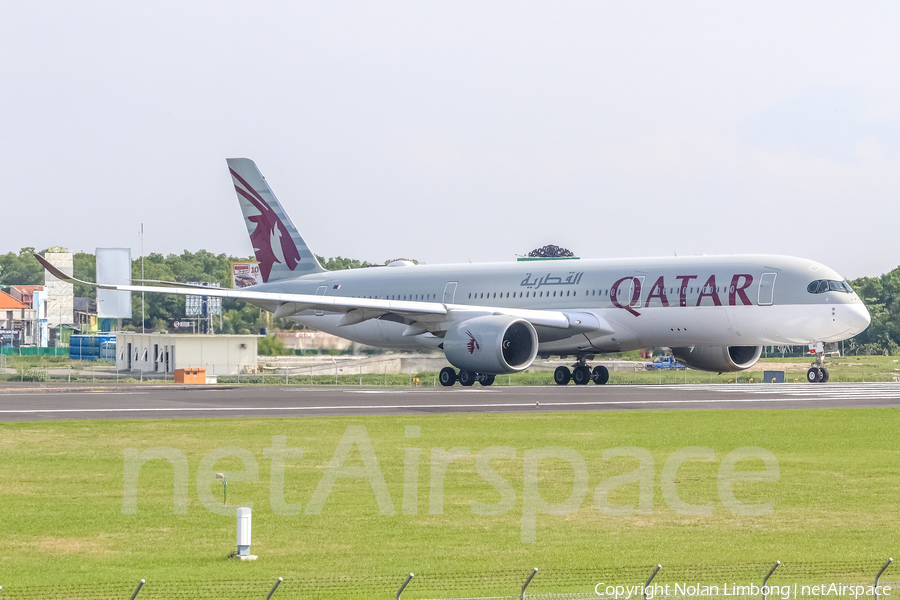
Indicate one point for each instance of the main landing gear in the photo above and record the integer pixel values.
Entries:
(581, 374)
(448, 377)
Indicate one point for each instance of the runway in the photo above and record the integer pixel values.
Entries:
(31, 403)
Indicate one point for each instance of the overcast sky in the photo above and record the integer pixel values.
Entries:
(458, 131)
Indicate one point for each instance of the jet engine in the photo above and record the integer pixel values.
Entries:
(492, 344)
(720, 359)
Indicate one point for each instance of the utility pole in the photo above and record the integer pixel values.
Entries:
(142, 279)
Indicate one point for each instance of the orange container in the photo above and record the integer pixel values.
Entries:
(190, 375)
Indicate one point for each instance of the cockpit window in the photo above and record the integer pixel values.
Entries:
(821, 286)
(836, 286)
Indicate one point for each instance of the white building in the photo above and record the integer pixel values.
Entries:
(165, 352)
(60, 294)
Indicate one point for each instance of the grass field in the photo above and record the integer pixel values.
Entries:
(61, 493)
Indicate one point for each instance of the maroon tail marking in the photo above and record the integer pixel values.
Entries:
(267, 222)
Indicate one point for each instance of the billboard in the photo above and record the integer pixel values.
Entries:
(203, 306)
(113, 266)
(8, 337)
(245, 274)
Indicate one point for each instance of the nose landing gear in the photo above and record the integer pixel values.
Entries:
(817, 373)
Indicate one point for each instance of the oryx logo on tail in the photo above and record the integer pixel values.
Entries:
(271, 241)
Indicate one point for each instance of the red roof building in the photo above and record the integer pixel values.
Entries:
(25, 293)
(16, 321)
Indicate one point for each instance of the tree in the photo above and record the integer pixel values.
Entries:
(550, 251)
(339, 263)
(881, 296)
(21, 269)
(272, 346)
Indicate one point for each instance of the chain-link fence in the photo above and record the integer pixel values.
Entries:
(740, 581)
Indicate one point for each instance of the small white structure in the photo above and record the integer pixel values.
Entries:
(165, 352)
(244, 516)
(60, 294)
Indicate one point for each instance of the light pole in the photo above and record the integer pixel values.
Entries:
(142, 279)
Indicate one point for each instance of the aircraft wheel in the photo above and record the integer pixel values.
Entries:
(562, 375)
(600, 375)
(581, 375)
(824, 375)
(487, 379)
(813, 375)
(466, 378)
(447, 376)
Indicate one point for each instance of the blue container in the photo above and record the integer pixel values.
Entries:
(87, 347)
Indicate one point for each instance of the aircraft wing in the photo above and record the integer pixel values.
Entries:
(430, 316)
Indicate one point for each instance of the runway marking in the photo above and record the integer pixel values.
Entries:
(407, 406)
(58, 394)
(427, 391)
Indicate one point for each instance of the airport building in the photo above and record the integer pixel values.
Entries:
(166, 352)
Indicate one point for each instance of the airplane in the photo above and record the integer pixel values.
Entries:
(714, 312)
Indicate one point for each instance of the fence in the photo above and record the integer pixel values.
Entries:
(33, 351)
(740, 581)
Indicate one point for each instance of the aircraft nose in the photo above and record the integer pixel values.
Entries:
(859, 318)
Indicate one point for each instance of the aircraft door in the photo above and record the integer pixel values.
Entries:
(637, 289)
(767, 289)
(623, 293)
(450, 292)
(320, 291)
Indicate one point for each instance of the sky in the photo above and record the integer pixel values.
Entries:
(458, 131)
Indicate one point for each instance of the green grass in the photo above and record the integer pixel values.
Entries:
(61, 493)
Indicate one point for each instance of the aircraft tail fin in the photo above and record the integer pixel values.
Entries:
(280, 249)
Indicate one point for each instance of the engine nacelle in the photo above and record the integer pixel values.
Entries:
(720, 359)
(492, 344)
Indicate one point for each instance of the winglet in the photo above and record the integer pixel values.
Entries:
(56, 272)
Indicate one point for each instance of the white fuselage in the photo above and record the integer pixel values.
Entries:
(671, 301)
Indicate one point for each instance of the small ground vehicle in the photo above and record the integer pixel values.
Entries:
(667, 363)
